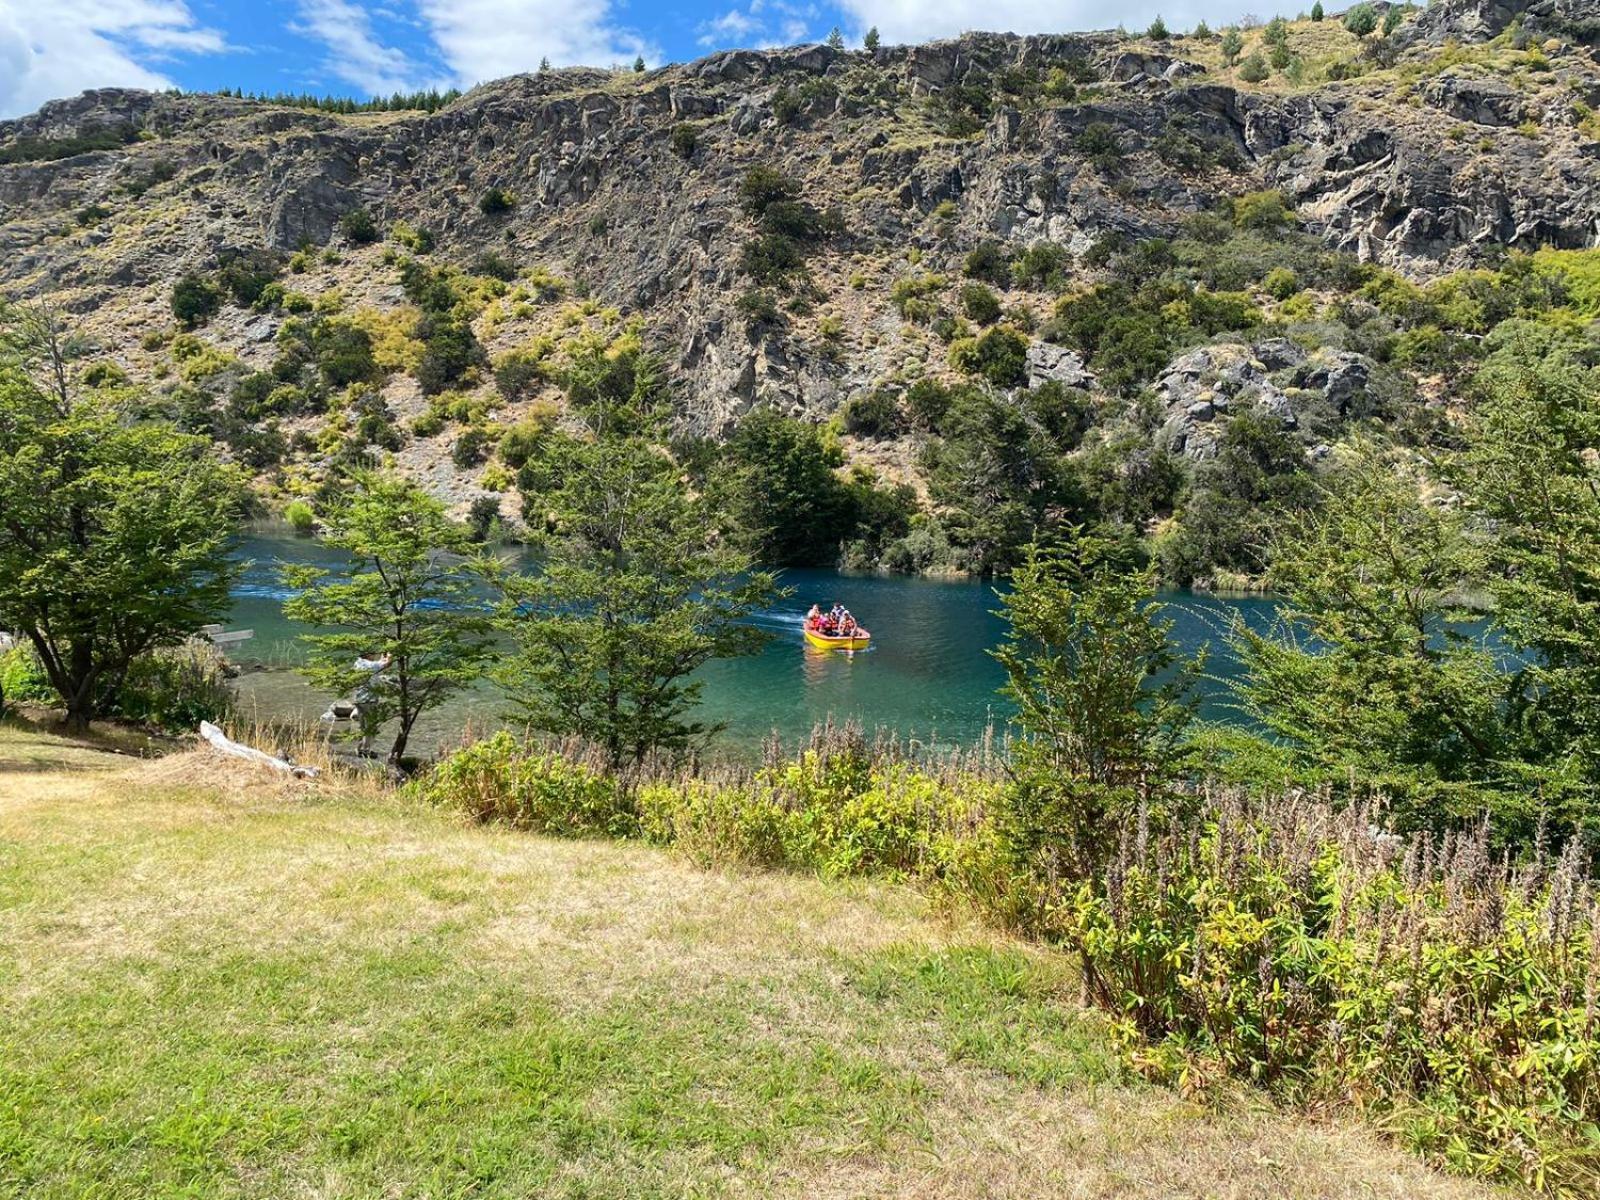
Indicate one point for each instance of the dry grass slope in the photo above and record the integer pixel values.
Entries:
(213, 983)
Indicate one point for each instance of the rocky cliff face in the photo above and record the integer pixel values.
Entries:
(1428, 164)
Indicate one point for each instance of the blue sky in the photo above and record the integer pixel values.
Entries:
(53, 48)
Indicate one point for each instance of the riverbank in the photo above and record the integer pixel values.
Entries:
(217, 982)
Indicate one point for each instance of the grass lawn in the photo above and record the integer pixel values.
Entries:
(214, 983)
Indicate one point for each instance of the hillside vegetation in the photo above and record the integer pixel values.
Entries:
(929, 299)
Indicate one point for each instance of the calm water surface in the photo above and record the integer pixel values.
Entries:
(928, 675)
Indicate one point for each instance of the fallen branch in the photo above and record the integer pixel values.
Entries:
(222, 742)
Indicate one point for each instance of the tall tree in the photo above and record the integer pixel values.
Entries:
(1372, 672)
(635, 591)
(775, 480)
(1531, 471)
(114, 534)
(1103, 700)
(412, 600)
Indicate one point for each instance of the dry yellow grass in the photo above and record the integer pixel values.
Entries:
(217, 982)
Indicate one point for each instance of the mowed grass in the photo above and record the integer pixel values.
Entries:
(214, 983)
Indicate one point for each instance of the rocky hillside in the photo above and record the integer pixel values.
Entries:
(583, 200)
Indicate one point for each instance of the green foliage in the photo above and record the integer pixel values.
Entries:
(495, 201)
(343, 353)
(995, 474)
(471, 448)
(429, 100)
(1253, 69)
(493, 265)
(1100, 144)
(22, 678)
(1316, 11)
(300, 516)
(542, 791)
(1294, 946)
(772, 259)
(1361, 19)
(358, 226)
(759, 308)
(1232, 46)
(988, 261)
(999, 355)
(410, 598)
(777, 485)
(980, 304)
(1043, 265)
(1102, 704)
(1238, 500)
(913, 296)
(417, 239)
(1158, 31)
(1529, 471)
(1281, 283)
(1372, 678)
(685, 140)
(116, 534)
(518, 375)
(246, 275)
(175, 688)
(37, 149)
(871, 41)
(635, 592)
(873, 414)
(195, 300)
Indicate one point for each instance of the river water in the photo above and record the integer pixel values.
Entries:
(928, 675)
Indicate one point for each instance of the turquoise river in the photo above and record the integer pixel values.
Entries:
(929, 675)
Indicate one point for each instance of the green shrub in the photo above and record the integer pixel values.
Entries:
(494, 266)
(519, 375)
(500, 781)
(759, 308)
(175, 688)
(246, 275)
(495, 201)
(358, 226)
(23, 679)
(1281, 283)
(1267, 210)
(195, 300)
(913, 296)
(1253, 69)
(1043, 265)
(1100, 144)
(300, 516)
(873, 414)
(1000, 355)
(1301, 948)
(471, 448)
(987, 261)
(520, 442)
(413, 238)
(685, 140)
(980, 304)
(1361, 19)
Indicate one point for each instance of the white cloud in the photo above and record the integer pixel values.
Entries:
(355, 54)
(488, 39)
(762, 24)
(904, 21)
(55, 48)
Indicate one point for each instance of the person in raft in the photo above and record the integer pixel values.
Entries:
(836, 622)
